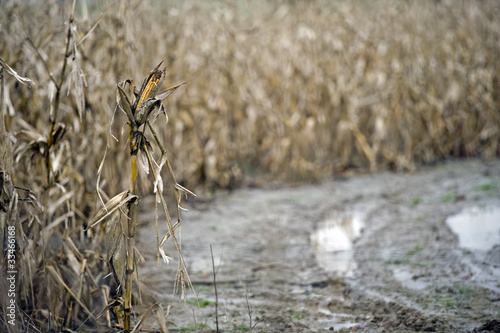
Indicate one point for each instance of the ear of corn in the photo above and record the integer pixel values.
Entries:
(150, 85)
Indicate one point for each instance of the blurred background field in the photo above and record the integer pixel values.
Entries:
(296, 90)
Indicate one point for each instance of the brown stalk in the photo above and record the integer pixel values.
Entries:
(132, 223)
(215, 289)
(53, 117)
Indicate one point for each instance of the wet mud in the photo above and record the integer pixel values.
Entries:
(384, 252)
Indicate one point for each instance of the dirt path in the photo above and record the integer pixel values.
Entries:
(374, 252)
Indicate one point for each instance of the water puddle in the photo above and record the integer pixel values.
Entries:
(332, 243)
(477, 228)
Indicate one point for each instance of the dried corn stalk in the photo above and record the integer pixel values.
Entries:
(120, 231)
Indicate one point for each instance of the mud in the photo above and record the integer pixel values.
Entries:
(385, 252)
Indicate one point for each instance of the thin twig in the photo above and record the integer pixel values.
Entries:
(248, 307)
(216, 295)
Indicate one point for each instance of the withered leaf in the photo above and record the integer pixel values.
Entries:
(111, 206)
(123, 102)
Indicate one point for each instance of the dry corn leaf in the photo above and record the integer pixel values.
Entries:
(56, 275)
(164, 94)
(124, 103)
(151, 310)
(60, 201)
(115, 244)
(111, 206)
(23, 80)
(77, 78)
(72, 260)
(143, 160)
(161, 317)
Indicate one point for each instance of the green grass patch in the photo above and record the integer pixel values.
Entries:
(297, 315)
(206, 289)
(448, 302)
(415, 202)
(396, 262)
(413, 251)
(448, 197)
(190, 328)
(488, 187)
(406, 259)
(457, 296)
(464, 290)
(202, 303)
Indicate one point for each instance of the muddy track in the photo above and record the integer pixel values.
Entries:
(375, 252)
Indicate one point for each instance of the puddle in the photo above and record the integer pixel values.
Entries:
(477, 228)
(332, 243)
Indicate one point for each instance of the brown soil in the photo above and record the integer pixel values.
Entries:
(405, 271)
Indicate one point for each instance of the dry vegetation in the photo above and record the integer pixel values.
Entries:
(300, 90)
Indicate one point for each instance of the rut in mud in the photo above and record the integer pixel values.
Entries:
(381, 252)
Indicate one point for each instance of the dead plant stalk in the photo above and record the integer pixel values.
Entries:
(145, 103)
(53, 114)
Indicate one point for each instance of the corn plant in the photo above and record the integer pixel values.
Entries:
(120, 233)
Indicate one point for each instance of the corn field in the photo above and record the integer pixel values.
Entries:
(296, 90)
